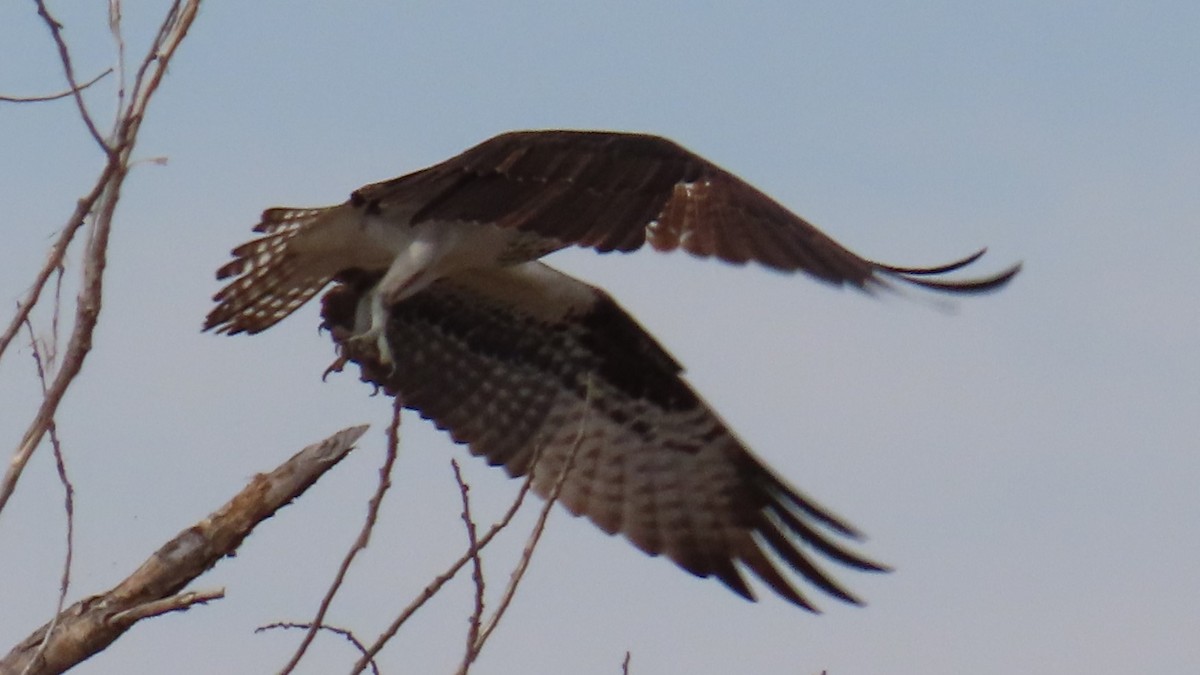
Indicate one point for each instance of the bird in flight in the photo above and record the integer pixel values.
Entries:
(441, 300)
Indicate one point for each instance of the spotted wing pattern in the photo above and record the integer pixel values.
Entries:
(535, 370)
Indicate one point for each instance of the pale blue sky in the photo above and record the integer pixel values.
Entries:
(1027, 462)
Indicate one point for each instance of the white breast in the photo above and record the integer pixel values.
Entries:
(415, 256)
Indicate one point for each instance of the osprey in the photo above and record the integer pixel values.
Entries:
(442, 302)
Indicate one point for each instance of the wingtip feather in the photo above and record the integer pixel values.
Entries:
(919, 276)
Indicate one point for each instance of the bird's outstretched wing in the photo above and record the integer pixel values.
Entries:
(536, 370)
(606, 190)
(617, 191)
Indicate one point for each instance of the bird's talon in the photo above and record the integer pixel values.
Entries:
(336, 367)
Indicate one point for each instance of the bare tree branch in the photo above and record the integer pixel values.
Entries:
(535, 535)
(364, 536)
(441, 580)
(74, 89)
(54, 263)
(68, 489)
(55, 97)
(100, 203)
(476, 617)
(92, 624)
(347, 634)
(175, 603)
(114, 27)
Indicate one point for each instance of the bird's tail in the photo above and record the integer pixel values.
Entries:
(272, 280)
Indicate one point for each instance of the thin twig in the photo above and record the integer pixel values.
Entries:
(625, 664)
(68, 499)
(436, 585)
(64, 54)
(476, 571)
(175, 603)
(114, 27)
(54, 261)
(55, 97)
(347, 634)
(364, 537)
(540, 527)
(55, 317)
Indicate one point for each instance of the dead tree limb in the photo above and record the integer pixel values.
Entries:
(92, 624)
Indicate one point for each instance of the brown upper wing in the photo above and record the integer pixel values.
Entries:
(534, 369)
(616, 191)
